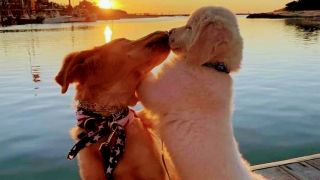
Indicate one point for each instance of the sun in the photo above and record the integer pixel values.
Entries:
(105, 4)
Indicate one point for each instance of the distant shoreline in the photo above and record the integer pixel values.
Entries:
(136, 16)
(315, 14)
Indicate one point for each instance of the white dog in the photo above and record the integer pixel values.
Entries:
(191, 96)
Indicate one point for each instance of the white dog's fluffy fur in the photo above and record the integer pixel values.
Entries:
(194, 103)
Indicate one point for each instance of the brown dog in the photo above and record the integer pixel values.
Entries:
(108, 76)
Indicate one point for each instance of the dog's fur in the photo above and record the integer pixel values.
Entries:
(193, 103)
(108, 76)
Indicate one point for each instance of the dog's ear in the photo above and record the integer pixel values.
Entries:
(210, 42)
(74, 68)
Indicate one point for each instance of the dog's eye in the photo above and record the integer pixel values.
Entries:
(188, 27)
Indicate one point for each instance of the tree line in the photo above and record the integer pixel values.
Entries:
(303, 5)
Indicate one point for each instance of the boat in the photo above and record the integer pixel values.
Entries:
(16, 13)
(83, 19)
(82, 15)
(52, 16)
(29, 19)
(7, 18)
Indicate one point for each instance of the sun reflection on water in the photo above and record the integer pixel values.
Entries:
(107, 33)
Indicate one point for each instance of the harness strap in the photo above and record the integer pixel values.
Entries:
(112, 154)
(164, 161)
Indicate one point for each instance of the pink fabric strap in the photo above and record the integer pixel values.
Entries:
(127, 120)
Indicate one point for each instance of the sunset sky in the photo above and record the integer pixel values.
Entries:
(187, 6)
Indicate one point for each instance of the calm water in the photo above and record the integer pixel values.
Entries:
(277, 92)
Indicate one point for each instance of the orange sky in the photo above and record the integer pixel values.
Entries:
(187, 6)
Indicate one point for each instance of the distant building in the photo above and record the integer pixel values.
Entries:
(17, 4)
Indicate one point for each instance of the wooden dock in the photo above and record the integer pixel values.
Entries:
(302, 168)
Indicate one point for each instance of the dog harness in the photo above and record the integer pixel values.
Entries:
(97, 127)
(219, 66)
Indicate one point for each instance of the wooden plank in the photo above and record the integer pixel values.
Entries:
(302, 171)
(315, 163)
(275, 173)
(289, 161)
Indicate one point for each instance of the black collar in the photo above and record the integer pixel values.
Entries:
(219, 66)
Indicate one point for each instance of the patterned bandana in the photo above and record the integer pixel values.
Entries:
(96, 127)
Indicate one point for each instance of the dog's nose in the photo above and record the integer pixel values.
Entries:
(171, 31)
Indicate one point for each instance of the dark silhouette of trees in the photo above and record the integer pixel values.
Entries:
(303, 5)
